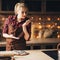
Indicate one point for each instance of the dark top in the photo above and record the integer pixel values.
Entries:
(11, 26)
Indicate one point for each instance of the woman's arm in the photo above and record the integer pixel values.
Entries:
(26, 34)
(5, 35)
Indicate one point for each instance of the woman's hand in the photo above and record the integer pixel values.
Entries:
(26, 23)
(11, 36)
(26, 34)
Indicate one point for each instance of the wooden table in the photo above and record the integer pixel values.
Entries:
(33, 55)
(37, 41)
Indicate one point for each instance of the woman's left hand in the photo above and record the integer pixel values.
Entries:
(26, 23)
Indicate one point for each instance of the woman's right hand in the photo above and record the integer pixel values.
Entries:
(11, 36)
(26, 23)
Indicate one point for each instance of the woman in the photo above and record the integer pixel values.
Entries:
(17, 29)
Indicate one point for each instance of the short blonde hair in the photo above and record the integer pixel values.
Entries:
(18, 6)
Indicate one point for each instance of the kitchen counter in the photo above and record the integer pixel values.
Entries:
(34, 55)
(37, 41)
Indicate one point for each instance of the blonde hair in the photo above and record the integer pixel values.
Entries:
(18, 6)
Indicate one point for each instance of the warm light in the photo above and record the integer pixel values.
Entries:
(58, 27)
(37, 37)
(40, 26)
(58, 18)
(48, 19)
(39, 23)
(57, 32)
(55, 24)
(58, 36)
(40, 18)
(48, 26)
(3, 19)
(32, 17)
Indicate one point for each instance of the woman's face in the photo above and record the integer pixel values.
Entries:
(22, 13)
